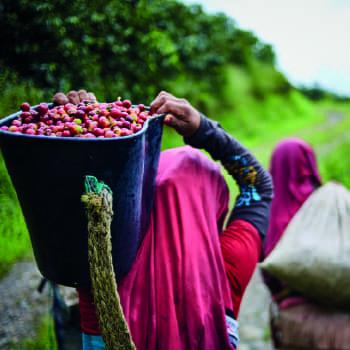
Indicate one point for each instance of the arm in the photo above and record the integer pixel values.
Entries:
(255, 186)
(254, 182)
(241, 248)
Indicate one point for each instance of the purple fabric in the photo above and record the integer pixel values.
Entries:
(291, 301)
(295, 176)
(176, 293)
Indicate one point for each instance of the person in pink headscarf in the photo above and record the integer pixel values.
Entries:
(295, 176)
(185, 286)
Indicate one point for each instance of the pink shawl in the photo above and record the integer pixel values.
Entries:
(175, 295)
(295, 176)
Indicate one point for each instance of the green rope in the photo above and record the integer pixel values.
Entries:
(93, 185)
(98, 203)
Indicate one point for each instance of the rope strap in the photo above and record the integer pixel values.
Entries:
(98, 203)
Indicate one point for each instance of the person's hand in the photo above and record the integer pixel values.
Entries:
(74, 97)
(180, 115)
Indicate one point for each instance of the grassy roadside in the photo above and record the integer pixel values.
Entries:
(14, 238)
(44, 340)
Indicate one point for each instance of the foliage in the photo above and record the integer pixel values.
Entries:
(335, 166)
(15, 90)
(14, 239)
(317, 93)
(134, 47)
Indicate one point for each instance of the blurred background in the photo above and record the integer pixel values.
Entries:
(265, 70)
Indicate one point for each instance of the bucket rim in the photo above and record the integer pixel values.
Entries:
(14, 135)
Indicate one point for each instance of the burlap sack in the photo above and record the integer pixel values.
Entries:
(309, 327)
(313, 255)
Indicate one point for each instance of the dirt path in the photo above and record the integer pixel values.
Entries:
(21, 305)
(253, 318)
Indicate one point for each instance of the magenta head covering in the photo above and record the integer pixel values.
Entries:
(175, 295)
(295, 176)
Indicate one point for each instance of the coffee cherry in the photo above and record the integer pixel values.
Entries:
(115, 113)
(86, 120)
(17, 122)
(109, 134)
(30, 131)
(127, 103)
(25, 107)
(98, 131)
(103, 122)
(13, 128)
(43, 108)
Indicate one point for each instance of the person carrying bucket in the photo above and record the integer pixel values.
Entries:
(186, 283)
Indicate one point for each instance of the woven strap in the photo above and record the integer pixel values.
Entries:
(98, 203)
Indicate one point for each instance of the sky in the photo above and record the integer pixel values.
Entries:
(311, 38)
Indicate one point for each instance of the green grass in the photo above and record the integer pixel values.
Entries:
(15, 91)
(335, 166)
(267, 334)
(45, 339)
(14, 238)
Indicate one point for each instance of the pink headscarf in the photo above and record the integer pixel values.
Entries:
(176, 293)
(295, 176)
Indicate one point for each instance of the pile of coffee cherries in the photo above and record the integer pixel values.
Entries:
(85, 120)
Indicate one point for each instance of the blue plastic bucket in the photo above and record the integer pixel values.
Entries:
(48, 175)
